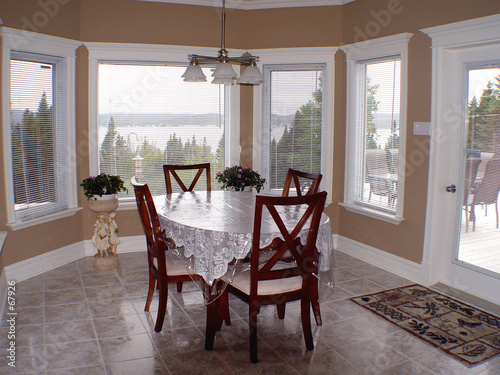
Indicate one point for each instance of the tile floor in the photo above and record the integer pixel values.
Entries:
(77, 320)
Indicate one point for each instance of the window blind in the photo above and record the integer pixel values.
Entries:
(378, 86)
(293, 120)
(38, 135)
(149, 117)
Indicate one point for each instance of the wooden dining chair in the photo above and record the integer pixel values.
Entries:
(486, 192)
(164, 267)
(281, 272)
(171, 169)
(312, 182)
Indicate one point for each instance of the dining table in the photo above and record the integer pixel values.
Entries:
(212, 232)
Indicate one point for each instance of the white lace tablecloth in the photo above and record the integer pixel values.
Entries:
(214, 228)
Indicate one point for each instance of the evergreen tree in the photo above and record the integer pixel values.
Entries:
(300, 145)
(393, 141)
(33, 155)
(219, 158)
(108, 152)
(484, 119)
(371, 108)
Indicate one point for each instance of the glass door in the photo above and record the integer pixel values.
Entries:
(479, 244)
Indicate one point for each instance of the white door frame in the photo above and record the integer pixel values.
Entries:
(448, 41)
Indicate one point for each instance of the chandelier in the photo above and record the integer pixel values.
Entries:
(224, 72)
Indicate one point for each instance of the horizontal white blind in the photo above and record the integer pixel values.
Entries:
(378, 96)
(38, 135)
(293, 120)
(149, 117)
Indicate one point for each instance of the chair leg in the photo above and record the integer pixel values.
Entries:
(496, 211)
(315, 302)
(162, 307)
(211, 324)
(305, 314)
(466, 220)
(151, 290)
(253, 312)
(223, 313)
(179, 287)
(472, 217)
(281, 310)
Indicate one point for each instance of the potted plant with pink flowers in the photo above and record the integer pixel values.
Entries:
(239, 178)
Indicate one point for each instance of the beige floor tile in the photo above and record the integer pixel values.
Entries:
(61, 312)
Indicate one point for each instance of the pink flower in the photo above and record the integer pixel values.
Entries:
(240, 170)
(239, 175)
(242, 184)
(227, 168)
(218, 173)
(91, 177)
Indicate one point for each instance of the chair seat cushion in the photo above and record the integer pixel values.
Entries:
(175, 266)
(267, 287)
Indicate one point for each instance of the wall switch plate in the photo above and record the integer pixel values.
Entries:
(422, 128)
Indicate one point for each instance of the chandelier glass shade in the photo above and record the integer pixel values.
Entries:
(224, 72)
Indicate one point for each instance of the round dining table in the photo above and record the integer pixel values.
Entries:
(212, 231)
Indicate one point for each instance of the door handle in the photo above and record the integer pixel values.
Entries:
(451, 188)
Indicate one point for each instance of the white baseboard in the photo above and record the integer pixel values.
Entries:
(382, 259)
(46, 262)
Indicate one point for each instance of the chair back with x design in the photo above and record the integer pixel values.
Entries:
(171, 169)
(310, 181)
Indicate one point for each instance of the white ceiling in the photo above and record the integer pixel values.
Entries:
(257, 4)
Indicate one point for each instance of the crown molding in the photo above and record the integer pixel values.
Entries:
(257, 4)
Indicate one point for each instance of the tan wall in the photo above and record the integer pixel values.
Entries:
(149, 22)
(60, 19)
(366, 19)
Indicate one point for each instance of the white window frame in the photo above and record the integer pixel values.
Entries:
(283, 56)
(29, 42)
(394, 45)
(146, 53)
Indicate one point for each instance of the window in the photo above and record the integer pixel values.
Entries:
(376, 122)
(142, 115)
(38, 141)
(293, 120)
(293, 115)
(147, 117)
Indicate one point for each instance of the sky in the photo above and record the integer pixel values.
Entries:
(139, 89)
(133, 89)
(479, 78)
(26, 91)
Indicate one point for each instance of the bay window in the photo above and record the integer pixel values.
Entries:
(146, 116)
(295, 106)
(38, 127)
(376, 123)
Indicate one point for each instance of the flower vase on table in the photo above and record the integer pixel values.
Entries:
(239, 178)
(102, 200)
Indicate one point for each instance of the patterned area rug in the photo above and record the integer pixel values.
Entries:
(466, 333)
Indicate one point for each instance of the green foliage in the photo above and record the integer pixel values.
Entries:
(33, 155)
(239, 178)
(371, 108)
(300, 146)
(102, 184)
(484, 119)
(393, 141)
(117, 157)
